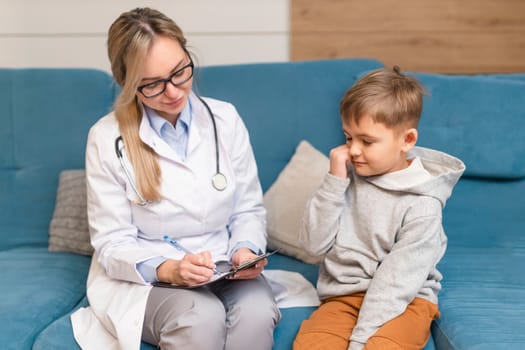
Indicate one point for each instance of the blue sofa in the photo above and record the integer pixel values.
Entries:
(481, 119)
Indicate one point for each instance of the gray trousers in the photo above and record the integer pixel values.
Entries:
(227, 314)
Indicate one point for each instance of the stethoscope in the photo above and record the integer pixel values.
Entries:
(218, 180)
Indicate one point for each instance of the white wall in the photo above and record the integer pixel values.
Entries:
(72, 33)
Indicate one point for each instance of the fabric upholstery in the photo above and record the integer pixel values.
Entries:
(286, 199)
(470, 117)
(58, 336)
(483, 299)
(69, 231)
(46, 114)
(37, 287)
(283, 104)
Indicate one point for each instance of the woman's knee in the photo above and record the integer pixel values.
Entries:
(256, 307)
(246, 322)
(196, 321)
(255, 314)
(206, 314)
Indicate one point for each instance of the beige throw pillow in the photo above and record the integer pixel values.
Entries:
(68, 230)
(286, 199)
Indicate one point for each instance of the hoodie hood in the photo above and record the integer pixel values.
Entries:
(431, 173)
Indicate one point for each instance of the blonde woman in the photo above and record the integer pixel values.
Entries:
(172, 187)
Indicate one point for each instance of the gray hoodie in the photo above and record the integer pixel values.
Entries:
(382, 235)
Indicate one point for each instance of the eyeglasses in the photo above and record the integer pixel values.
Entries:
(157, 87)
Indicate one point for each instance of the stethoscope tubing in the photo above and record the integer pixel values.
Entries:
(215, 134)
(126, 171)
(218, 181)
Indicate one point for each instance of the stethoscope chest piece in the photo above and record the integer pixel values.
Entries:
(219, 182)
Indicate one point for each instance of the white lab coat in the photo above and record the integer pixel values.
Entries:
(202, 218)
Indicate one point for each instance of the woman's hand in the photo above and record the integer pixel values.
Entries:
(191, 270)
(339, 160)
(245, 254)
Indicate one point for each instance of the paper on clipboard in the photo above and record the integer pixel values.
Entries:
(224, 269)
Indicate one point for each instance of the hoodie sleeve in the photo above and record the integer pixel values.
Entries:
(419, 246)
(322, 214)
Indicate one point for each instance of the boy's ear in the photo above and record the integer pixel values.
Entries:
(410, 139)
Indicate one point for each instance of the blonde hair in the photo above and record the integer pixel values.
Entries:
(387, 96)
(129, 39)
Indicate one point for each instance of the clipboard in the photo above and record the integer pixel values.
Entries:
(224, 269)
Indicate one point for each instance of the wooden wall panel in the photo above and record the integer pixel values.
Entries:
(449, 36)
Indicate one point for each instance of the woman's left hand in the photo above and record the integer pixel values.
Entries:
(245, 254)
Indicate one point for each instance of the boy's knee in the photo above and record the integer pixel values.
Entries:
(319, 341)
(382, 343)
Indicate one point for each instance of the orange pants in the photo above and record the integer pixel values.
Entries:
(330, 326)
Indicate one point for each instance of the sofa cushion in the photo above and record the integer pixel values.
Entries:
(59, 335)
(69, 231)
(486, 214)
(286, 199)
(37, 287)
(483, 288)
(480, 119)
(46, 115)
(483, 299)
(506, 76)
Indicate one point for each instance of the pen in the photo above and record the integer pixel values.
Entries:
(177, 245)
(180, 247)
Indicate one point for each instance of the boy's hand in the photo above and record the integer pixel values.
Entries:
(339, 160)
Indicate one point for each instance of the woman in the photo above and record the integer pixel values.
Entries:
(172, 187)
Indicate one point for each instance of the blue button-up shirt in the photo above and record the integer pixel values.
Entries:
(175, 136)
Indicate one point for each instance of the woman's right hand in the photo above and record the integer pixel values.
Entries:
(191, 270)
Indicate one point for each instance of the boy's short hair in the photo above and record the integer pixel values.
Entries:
(387, 96)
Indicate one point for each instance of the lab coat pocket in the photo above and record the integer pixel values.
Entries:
(145, 215)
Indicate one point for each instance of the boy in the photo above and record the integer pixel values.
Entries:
(377, 219)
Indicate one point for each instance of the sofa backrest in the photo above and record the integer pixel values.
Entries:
(46, 114)
(283, 103)
(480, 119)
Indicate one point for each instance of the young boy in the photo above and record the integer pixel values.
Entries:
(377, 219)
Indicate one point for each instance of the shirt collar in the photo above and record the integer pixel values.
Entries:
(158, 123)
